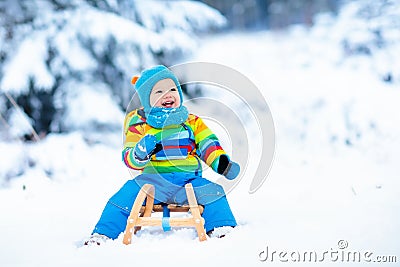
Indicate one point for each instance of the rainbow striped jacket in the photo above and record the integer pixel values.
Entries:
(183, 145)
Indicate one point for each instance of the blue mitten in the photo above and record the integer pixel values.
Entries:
(228, 168)
(145, 147)
(232, 171)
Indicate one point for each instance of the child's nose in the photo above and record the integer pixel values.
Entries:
(167, 95)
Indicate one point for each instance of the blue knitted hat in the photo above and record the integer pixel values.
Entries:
(148, 78)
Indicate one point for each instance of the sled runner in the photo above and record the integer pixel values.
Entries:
(141, 215)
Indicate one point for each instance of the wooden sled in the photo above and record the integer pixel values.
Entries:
(141, 215)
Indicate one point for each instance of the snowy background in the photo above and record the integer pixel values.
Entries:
(333, 90)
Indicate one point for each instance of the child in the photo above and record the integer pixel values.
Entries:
(166, 144)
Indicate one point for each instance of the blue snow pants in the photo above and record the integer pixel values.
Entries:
(169, 189)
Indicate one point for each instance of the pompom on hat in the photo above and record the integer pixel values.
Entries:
(148, 78)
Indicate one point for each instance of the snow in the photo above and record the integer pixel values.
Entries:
(90, 108)
(198, 18)
(19, 123)
(334, 176)
(78, 58)
(28, 65)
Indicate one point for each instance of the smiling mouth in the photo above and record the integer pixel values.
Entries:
(168, 103)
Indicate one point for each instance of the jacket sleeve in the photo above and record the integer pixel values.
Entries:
(208, 147)
(134, 130)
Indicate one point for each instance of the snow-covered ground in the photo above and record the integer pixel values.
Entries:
(334, 176)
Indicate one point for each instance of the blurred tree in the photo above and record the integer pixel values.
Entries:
(64, 61)
(271, 14)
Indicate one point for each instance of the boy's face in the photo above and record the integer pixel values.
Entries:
(165, 94)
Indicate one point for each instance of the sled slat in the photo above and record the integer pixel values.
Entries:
(172, 208)
(178, 222)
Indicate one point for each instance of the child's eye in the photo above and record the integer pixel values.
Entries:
(158, 92)
(173, 89)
